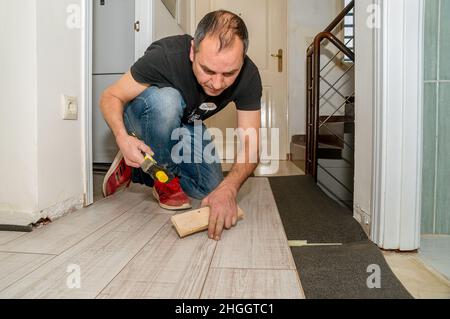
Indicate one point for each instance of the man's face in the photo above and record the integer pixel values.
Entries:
(214, 70)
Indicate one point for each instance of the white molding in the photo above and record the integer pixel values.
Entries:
(19, 218)
(398, 125)
(10, 216)
(193, 17)
(144, 13)
(87, 101)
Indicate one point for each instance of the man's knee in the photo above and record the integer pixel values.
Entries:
(208, 180)
(167, 102)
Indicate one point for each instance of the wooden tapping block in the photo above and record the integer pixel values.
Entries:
(194, 221)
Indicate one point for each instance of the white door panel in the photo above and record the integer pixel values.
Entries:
(255, 14)
(113, 36)
(113, 54)
(267, 25)
(104, 145)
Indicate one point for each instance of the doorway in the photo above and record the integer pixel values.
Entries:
(435, 216)
(113, 52)
(108, 15)
(267, 25)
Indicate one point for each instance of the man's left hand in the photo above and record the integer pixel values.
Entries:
(223, 210)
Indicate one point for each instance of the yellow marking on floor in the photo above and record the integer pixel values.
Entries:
(302, 243)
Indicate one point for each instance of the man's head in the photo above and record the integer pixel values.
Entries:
(218, 51)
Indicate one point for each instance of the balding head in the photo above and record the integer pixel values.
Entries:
(223, 25)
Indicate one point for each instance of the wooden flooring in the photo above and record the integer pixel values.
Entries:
(126, 247)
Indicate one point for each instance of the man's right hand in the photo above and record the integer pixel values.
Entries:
(132, 149)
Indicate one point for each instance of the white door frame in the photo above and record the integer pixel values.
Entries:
(87, 10)
(144, 14)
(398, 91)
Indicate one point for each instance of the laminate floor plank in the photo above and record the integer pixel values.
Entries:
(9, 236)
(15, 266)
(259, 240)
(63, 233)
(85, 269)
(252, 284)
(167, 267)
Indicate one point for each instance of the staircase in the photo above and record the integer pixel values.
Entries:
(327, 150)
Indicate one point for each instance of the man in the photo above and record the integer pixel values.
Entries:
(178, 82)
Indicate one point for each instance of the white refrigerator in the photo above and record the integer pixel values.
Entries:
(113, 55)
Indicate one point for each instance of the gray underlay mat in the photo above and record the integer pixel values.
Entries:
(355, 268)
(309, 214)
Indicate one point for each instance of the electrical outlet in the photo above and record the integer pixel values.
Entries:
(70, 107)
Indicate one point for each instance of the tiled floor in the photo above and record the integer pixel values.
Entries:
(419, 279)
(435, 252)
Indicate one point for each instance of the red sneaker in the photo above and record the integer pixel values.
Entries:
(171, 196)
(118, 176)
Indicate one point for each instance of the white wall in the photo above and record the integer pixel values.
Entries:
(364, 111)
(41, 58)
(306, 18)
(18, 108)
(164, 25)
(59, 72)
(41, 167)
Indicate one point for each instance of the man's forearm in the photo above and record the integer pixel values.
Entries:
(239, 174)
(112, 110)
(246, 162)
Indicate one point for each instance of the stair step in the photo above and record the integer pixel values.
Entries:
(336, 119)
(331, 140)
(329, 153)
(330, 147)
(299, 140)
(325, 141)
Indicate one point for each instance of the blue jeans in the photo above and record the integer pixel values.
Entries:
(154, 115)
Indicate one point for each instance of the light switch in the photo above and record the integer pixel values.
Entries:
(70, 107)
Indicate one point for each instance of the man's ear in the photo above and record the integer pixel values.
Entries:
(192, 54)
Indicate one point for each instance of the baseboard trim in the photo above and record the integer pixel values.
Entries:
(10, 218)
(18, 218)
(362, 218)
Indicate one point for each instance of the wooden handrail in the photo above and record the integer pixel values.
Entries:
(341, 16)
(337, 20)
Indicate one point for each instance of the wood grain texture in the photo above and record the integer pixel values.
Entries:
(126, 247)
(258, 241)
(7, 236)
(167, 267)
(195, 221)
(252, 284)
(100, 257)
(15, 266)
(63, 233)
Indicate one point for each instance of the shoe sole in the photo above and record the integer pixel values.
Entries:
(175, 208)
(110, 172)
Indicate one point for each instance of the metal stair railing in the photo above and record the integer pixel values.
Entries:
(314, 95)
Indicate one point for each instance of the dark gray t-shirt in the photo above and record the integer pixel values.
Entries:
(166, 63)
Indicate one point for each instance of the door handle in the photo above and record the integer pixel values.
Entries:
(137, 26)
(280, 59)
